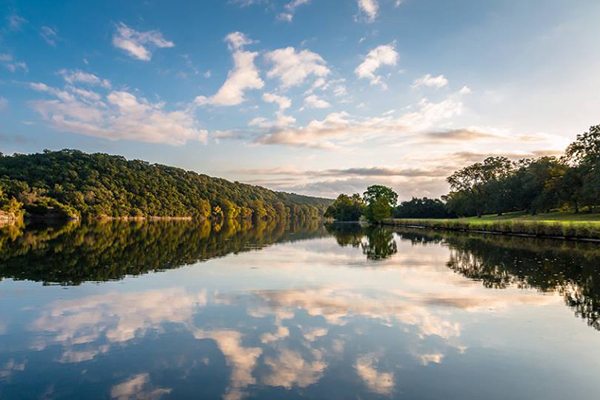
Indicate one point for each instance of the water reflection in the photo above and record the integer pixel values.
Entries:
(364, 313)
(71, 254)
(568, 268)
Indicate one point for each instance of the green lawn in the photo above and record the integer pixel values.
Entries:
(569, 225)
(554, 216)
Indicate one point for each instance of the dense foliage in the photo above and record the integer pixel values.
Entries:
(498, 185)
(346, 208)
(376, 204)
(76, 184)
(422, 208)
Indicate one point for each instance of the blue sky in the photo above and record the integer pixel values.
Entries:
(311, 96)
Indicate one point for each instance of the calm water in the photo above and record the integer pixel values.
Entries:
(179, 310)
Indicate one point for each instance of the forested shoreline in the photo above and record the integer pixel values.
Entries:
(70, 184)
(497, 185)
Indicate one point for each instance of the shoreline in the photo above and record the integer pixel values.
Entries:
(571, 230)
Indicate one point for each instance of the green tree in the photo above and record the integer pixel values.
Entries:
(346, 208)
(380, 202)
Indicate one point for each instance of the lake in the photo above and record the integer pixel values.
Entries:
(184, 310)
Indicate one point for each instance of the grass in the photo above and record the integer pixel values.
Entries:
(553, 216)
(556, 225)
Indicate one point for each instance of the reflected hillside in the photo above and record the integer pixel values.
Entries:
(74, 253)
(569, 268)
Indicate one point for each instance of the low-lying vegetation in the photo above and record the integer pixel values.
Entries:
(580, 230)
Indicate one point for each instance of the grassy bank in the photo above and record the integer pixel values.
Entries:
(553, 225)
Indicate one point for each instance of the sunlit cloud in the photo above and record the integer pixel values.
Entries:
(244, 75)
(431, 81)
(384, 55)
(113, 115)
(338, 128)
(293, 68)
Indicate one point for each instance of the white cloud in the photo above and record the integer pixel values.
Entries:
(3, 103)
(49, 35)
(431, 81)
(281, 101)
(369, 8)
(244, 75)
(313, 101)
(77, 76)
(293, 67)
(237, 40)
(377, 57)
(9, 62)
(117, 115)
(341, 128)
(138, 44)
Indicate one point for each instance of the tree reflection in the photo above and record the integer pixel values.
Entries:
(569, 268)
(380, 244)
(376, 242)
(71, 254)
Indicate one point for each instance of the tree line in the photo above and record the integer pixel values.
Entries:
(73, 184)
(495, 186)
(499, 185)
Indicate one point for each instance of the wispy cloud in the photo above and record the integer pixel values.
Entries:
(139, 45)
(50, 35)
(77, 76)
(290, 9)
(369, 8)
(431, 81)
(11, 64)
(15, 22)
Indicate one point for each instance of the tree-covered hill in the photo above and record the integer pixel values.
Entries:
(73, 183)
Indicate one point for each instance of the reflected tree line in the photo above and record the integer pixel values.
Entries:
(74, 253)
(568, 268)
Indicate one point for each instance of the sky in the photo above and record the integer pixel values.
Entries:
(316, 97)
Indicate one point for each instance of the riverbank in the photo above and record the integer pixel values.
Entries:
(556, 226)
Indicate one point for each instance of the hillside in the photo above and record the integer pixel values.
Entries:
(70, 183)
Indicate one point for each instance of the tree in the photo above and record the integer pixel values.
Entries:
(480, 183)
(421, 208)
(380, 202)
(346, 208)
(584, 155)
